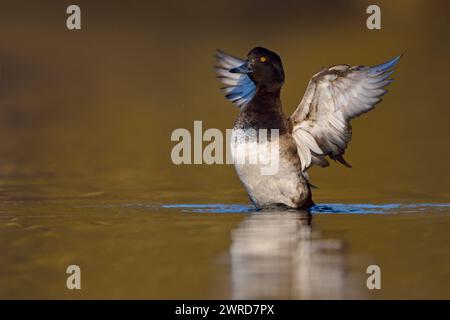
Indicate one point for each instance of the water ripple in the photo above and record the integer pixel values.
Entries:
(211, 208)
(342, 208)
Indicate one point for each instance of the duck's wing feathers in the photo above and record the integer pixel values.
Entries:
(334, 96)
(239, 88)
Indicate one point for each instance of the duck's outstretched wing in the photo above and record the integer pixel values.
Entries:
(334, 96)
(239, 88)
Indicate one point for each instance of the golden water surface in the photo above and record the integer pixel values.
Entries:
(86, 176)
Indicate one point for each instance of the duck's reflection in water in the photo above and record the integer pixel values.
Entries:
(276, 254)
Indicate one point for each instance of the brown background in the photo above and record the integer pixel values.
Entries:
(85, 124)
(92, 110)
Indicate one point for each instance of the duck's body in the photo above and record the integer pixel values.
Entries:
(319, 127)
(287, 186)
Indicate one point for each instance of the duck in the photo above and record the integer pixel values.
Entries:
(318, 131)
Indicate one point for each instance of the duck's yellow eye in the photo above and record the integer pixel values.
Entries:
(263, 59)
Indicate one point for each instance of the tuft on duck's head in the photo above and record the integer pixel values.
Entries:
(264, 68)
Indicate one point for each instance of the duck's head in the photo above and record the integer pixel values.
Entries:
(264, 68)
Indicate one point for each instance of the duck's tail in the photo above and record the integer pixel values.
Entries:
(306, 176)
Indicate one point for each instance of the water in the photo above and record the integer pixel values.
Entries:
(86, 176)
(155, 250)
(341, 208)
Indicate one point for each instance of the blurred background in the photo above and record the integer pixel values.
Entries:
(100, 104)
(86, 118)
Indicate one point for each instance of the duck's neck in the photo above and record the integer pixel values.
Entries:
(265, 101)
(264, 111)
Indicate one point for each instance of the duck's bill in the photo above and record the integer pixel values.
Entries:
(242, 69)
